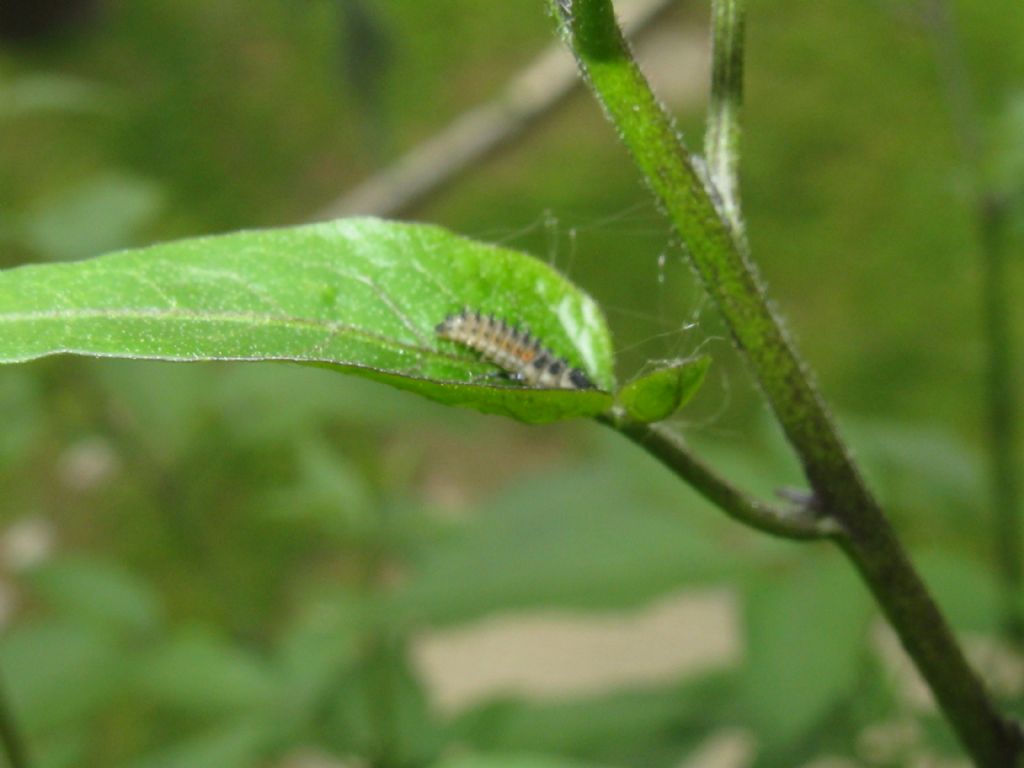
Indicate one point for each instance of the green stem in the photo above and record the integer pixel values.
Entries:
(722, 262)
(671, 450)
(722, 138)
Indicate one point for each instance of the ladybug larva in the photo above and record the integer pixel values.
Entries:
(515, 351)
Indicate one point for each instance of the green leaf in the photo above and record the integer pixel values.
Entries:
(661, 393)
(359, 295)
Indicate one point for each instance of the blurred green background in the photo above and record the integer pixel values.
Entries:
(241, 565)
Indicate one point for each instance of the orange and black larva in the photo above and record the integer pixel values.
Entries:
(517, 353)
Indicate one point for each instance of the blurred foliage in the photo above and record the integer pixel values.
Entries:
(228, 565)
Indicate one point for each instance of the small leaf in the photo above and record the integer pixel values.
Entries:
(359, 295)
(661, 393)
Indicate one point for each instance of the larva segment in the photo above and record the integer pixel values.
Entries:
(513, 350)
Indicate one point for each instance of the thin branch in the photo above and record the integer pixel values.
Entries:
(722, 262)
(722, 137)
(534, 93)
(798, 522)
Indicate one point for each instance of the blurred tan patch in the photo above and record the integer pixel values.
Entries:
(559, 655)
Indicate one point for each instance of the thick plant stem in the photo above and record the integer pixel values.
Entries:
(722, 263)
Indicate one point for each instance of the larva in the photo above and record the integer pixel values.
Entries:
(518, 354)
